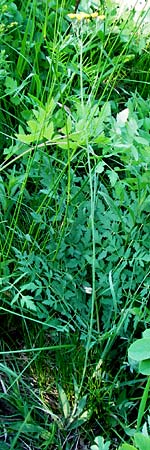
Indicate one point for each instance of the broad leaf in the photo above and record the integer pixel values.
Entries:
(100, 444)
(142, 442)
(140, 349)
(11, 85)
(144, 367)
(146, 333)
(127, 447)
(122, 117)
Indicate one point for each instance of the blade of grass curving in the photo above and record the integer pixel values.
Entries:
(38, 349)
(14, 441)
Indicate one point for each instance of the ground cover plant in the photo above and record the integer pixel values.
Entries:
(75, 225)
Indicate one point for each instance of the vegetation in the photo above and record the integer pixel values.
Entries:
(75, 226)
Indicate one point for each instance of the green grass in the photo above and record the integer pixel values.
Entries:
(74, 198)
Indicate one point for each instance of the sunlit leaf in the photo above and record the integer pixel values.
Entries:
(122, 116)
(141, 441)
(127, 447)
(48, 131)
(100, 444)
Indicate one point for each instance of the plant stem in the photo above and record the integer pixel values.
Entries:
(143, 404)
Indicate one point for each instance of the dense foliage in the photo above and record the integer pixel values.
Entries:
(75, 225)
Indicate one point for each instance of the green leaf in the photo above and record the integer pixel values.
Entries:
(48, 131)
(64, 144)
(142, 442)
(144, 367)
(15, 100)
(11, 85)
(105, 112)
(29, 286)
(102, 141)
(64, 402)
(15, 298)
(122, 117)
(100, 444)
(26, 300)
(113, 176)
(81, 405)
(146, 333)
(33, 126)
(127, 447)
(27, 428)
(134, 152)
(141, 140)
(140, 349)
(100, 167)
(68, 127)
(40, 115)
(25, 138)
(75, 423)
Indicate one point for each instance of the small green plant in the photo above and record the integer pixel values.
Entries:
(78, 415)
(99, 444)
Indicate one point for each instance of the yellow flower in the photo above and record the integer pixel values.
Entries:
(81, 16)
